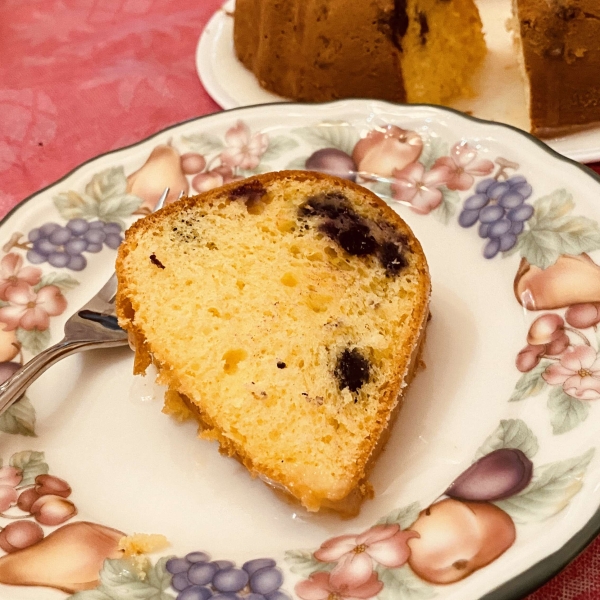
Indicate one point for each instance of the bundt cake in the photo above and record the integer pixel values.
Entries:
(559, 42)
(398, 50)
(286, 313)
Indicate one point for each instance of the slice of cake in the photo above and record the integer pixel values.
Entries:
(286, 312)
(319, 50)
(559, 45)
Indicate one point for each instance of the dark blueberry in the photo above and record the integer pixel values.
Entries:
(332, 205)
(251, 191)
(330, 229)
(281, 364)
(391, 258)
(156, 262)
(357, 240)
(352, 370)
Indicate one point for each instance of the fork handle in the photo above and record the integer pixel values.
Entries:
(14, 387)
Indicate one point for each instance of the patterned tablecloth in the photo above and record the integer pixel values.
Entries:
(82, 77)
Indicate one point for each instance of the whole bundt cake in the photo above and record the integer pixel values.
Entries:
(399, 50)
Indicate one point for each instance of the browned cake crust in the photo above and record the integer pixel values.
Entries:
(321, 401)
(396, 50)
(561, 51)
(295, 48)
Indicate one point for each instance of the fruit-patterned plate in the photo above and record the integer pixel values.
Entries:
(500, 92)
(490, 482)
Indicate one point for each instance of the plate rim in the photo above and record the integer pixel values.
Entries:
(526, 582)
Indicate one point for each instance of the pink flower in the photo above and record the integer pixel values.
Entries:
(463, 165)
(31, 310)
(243, 150)
(419, 188)
(12, 274)
(321, 587)
(578, 371)
(354, 554)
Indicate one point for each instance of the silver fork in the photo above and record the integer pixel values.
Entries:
(94, 325)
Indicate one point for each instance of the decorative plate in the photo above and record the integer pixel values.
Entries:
(500, 93)
(490, 482)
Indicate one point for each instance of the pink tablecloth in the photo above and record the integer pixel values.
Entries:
(82, 77)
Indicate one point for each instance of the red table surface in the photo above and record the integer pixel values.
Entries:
(82, 77)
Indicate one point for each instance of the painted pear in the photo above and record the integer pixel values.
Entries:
(9, 346)
(161, 170)
(457, 538)
(69, 559)
(572, 279)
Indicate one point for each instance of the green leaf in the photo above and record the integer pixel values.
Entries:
(297, 164)
(577, 235)
(122, 582)
(62, 281)
(402, 584)
(447, 209)
(553, 206)
(278, 146)
(72, 205)
(433, 148)
(550, 491)
(109, 183)
(19, 419)
(552, 232)
(530, 383)
(32, 464)
(302, 562)
(33, 341)
(566, 412)
(342, 136)
(204, 143)
(511, 433)
(158, 576)
(538, 248)
(404, 517)
(118, 207)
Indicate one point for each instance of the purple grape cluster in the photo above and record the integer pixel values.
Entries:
(196, 577)
(63, 246)
(501, 210)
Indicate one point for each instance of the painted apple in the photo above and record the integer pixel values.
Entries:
(546, 329)
(384, 149)
(457, 538)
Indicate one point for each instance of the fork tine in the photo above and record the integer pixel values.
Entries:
(161, 200)
(181, 195)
